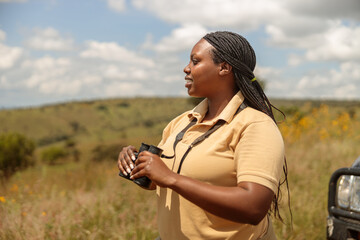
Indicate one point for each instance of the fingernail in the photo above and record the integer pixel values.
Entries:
(128, 170)
(131, 166)
(125, 173)
(133, 158)
(131, 177)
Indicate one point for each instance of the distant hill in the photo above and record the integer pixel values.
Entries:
(114, 120)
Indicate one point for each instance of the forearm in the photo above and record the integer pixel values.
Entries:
(246, 203)
(238, 203)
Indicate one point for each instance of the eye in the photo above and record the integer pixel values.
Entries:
(195, 61)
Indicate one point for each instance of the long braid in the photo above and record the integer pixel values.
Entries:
(235, 50)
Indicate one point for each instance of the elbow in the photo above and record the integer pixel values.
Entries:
(256, 217)
(255, 221)
(250, 216)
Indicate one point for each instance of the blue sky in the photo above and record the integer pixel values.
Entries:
(61, 50)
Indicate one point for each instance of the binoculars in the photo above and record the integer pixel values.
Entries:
(143, 181)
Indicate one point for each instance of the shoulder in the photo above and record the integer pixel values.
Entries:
(250, 116)
(256, 124)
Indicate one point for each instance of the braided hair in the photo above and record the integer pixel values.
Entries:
(236, 51)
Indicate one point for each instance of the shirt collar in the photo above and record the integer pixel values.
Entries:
(227, 113)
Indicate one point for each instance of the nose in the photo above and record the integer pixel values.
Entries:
(187, 69)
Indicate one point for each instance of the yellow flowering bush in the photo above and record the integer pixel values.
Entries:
(319, 124)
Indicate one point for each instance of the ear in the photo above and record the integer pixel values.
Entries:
(225, 69)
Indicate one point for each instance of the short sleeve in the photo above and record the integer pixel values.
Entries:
(259, 155)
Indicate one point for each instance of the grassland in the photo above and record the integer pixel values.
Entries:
(85, 199)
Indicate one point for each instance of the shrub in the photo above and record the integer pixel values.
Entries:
(123, 105)
(71, 149)
(51, 155)
(102, 108)
(149, 123)
(53, 139)
(16, 153)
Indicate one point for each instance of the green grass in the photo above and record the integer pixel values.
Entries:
(87, 199)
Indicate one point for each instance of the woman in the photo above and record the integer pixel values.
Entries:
(222, 187)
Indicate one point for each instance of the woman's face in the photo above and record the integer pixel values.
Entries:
(202, 74)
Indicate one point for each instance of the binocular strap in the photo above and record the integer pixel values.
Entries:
(180, 136)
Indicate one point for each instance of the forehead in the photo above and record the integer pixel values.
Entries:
(202, 47)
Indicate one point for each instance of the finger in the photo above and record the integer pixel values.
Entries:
(145, 153)
(124, 161)
(131, 156)
(123, 166)
(127, 161)
(120, 165)
(138, 171)
(131, 151)
(145, 157)
(141, 158)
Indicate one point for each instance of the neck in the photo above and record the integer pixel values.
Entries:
(217, 105)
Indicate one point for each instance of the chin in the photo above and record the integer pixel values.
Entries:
(194, 94)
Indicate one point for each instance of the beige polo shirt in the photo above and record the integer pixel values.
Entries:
(248, 147)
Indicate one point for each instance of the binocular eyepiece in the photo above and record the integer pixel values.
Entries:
(143, 181)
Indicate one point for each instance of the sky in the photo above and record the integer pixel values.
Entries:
(55, 51)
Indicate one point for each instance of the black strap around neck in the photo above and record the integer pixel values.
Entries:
(198, 140)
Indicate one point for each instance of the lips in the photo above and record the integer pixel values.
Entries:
(189, 81)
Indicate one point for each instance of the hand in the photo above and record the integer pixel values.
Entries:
(126, 159)
(150, 165)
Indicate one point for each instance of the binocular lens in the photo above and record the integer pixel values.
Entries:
(144, 147)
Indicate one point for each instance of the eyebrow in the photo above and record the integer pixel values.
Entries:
(193, 55)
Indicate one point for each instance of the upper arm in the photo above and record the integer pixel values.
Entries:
(259, 155)
(260, 198)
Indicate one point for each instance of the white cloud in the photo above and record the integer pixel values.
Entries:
(339, 43)
(113, 72)
(124, 89)
(60, 77)
(4, 83)
(322, 30)
(180, 39)
(111, 51)
(9, 56)
(295, 60)
(244, 14)
(288, 35)
(347, 91)
(46, 71)
(49, 39)
(317, 26)
(58, 87)
(117, 5)
(267, 72)
(326, 8)
(296, 17)
(340, 84)
(2, 35)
